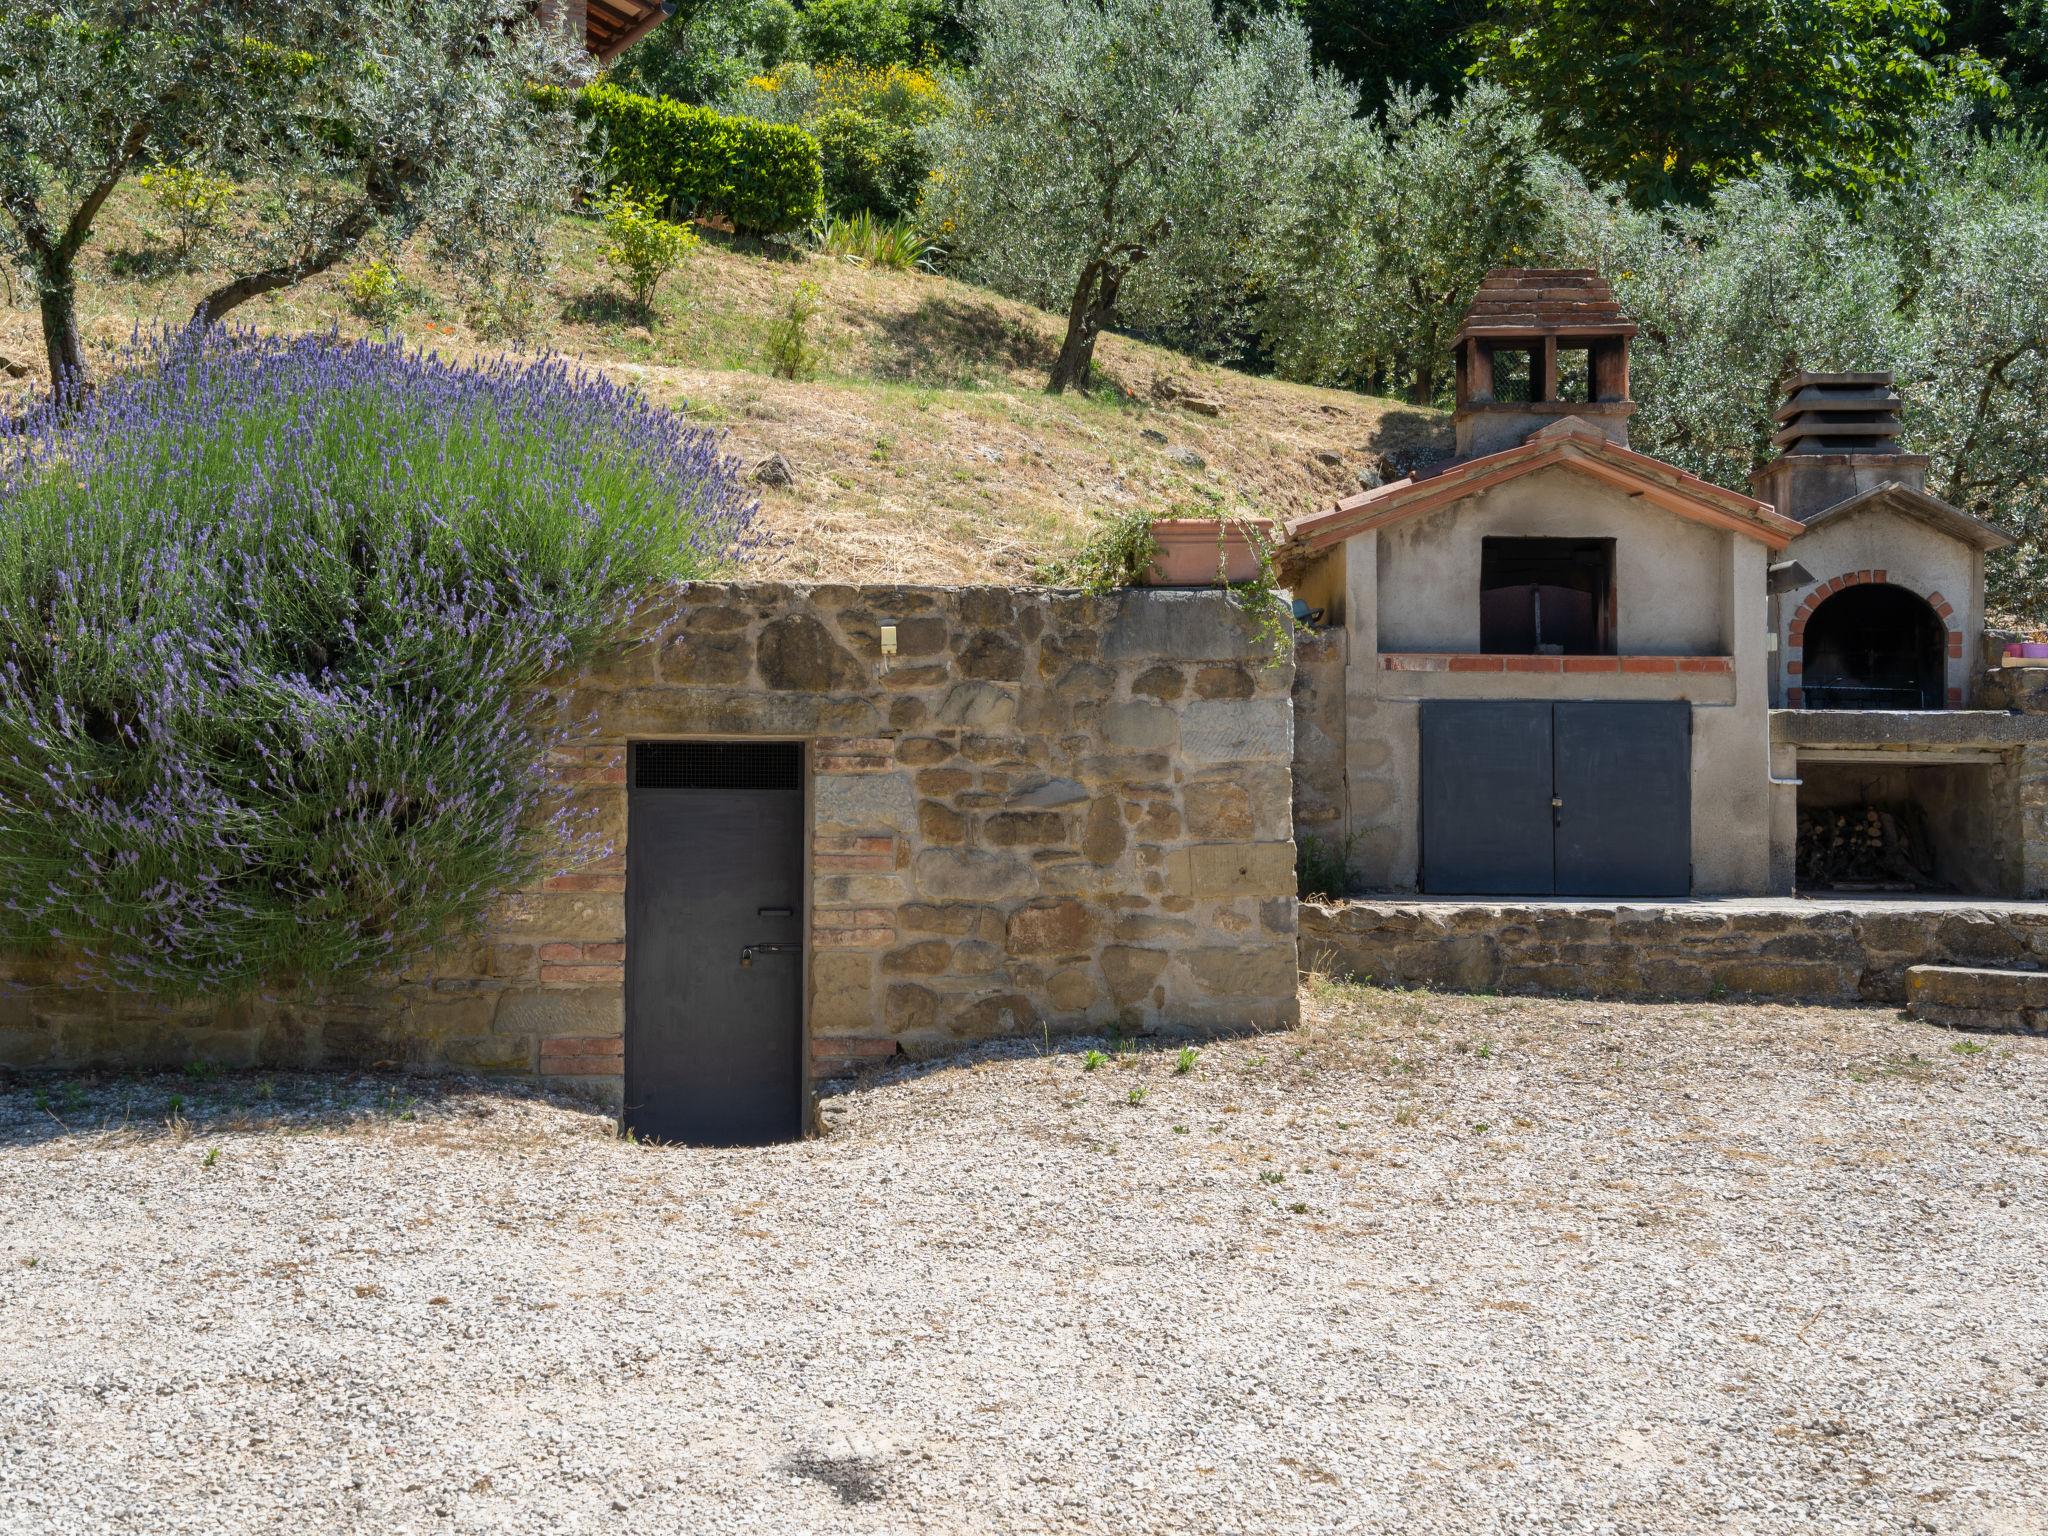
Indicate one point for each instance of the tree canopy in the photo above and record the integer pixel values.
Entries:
(1674, 99)
(346, 118)
(1115, 157)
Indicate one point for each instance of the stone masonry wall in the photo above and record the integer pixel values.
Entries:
(1845, 953)
(1046, 810)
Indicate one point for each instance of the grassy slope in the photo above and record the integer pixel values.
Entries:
(924, 450)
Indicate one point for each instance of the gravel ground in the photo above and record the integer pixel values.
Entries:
(1430, 1264)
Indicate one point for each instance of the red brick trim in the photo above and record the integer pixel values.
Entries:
(1795, 632)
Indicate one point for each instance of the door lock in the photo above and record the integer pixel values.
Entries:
(747, 954)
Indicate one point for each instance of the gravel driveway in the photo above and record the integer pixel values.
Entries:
(1430, 1264)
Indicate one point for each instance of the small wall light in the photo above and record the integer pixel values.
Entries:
(888, 639)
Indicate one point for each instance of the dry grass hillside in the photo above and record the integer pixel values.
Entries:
(925, 447)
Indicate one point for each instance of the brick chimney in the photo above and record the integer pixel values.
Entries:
(1837, 437)
(1540, 344)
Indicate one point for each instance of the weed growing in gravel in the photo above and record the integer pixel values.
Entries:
(74, 1097)
(201, 1071)
(1299, 1207)
(42, 1101)
(1092, 1060)
(1184, 1063)
(30, 1262)
(1180, 1130)
(1136, 1097)
(1485, 1051)
(176, 1104)
(1968, 1047)
(1268, 1176)
(1406, 1112)
(212, 1157)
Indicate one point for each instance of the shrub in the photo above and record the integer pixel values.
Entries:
(869, 165)
(870, 32)
(272, 617)
(765, 177)
(792, 353)
(642, 247)
(372, 290)
(193, 200)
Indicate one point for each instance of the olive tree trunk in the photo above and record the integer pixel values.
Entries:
(1091, 312)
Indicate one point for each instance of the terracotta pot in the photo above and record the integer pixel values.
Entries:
(1188, 557)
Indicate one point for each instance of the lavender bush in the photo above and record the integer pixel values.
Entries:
(271, 613)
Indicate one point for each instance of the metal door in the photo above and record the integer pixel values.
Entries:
(1486, 798)
(714, 942)
(1624, 791)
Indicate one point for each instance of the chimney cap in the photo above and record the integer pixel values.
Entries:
(1518, 302)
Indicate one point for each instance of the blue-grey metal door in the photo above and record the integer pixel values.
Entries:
(714, 942)
(1486, 823)
(1572, 798)
(1624, 791)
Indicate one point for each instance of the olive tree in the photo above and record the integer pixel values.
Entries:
(341, 118)
(1382, 247)
(1942, 281)
(1116, 158)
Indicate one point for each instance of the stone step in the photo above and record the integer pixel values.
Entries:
(1978, 997)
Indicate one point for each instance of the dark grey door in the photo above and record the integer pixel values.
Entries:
(714, 942)
(1574, 798)
(1486, 798)
(1624, 783)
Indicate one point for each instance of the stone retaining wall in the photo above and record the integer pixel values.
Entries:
(1778, 949)
(1045, 810)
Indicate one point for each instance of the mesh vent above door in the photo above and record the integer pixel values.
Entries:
(718, 765)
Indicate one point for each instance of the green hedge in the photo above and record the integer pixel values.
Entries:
(869, 163)
(765, 177)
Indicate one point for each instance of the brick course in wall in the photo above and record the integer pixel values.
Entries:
(1043, 811)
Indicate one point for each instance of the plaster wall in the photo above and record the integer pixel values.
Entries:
(1912, 555)
(1668, 599)
(1683, 590)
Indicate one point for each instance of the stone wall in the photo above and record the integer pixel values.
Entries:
(1319, 718)
(1045, 810)
(1852, 952)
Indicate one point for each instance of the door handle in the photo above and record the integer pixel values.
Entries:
(747, 954)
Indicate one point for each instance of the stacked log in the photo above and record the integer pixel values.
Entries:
(1865, 847)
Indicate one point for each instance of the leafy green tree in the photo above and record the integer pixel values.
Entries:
(2013, 36)
(1384, 246)
(1114, 158)
(342, 118)
(1943, 281)
(1673, 99)
(874, 33)
(708, 50)
(1383, 46)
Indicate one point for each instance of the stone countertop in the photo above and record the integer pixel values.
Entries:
(1906, 729)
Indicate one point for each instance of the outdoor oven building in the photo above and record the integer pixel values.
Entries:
(1570, 669)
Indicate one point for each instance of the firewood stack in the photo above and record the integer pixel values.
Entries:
(1865, 847)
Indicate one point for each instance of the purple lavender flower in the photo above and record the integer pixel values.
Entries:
(268, 610)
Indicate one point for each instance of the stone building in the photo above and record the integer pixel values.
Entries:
(1557, 667)
(842, 823)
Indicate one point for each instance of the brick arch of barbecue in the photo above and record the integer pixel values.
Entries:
(1795, 632)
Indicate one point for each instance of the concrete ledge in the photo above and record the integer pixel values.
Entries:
(1852, 952)
(1977, 997)
(1903, 729)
